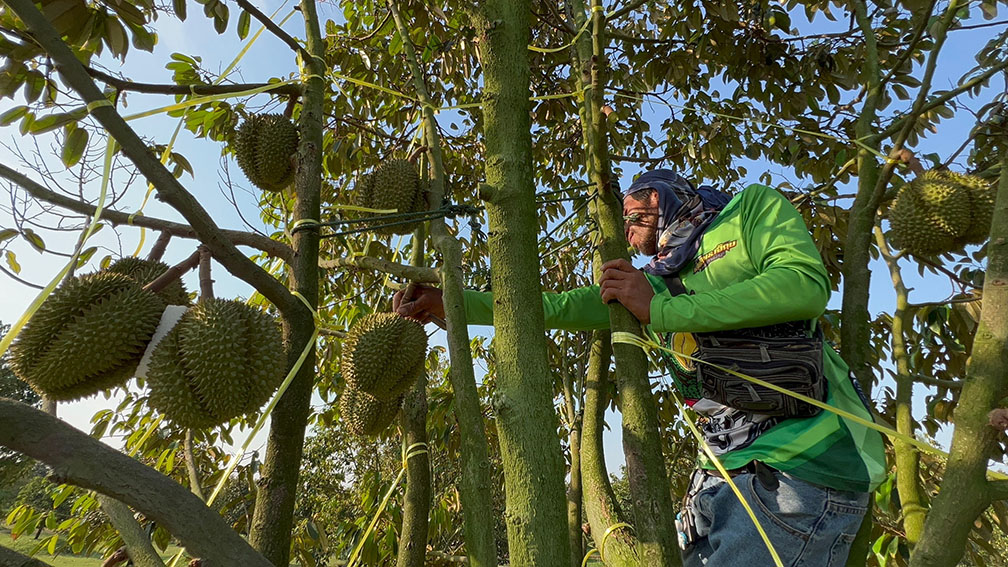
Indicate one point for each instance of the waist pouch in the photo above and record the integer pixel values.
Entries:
(793, 362)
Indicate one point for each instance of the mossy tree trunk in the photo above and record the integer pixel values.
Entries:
(573, 406)
(965, 492)
(475, 488)
(533, 466)
(911, 494)
(273, 518)
(653, 517)
(417, 500)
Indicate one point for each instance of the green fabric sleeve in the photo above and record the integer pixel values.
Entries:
(579, 309)
(791, 283)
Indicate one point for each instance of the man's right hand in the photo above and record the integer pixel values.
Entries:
(424, 304)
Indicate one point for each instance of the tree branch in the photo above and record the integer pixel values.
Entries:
(275, 29)
(168, 188)
(897, 124)
(997, 489)
(418, 274)
(76, 458)
(237, 237)
(626, 9)
(138, 544)
(11, 558)
(938, 382)
(150, 88)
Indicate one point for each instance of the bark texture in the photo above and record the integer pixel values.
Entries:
(138, 544)
(530, 450)
(417, 500)
(78, 459)
(273, 518)
(474, 489)
(653, 517)
(965, 492)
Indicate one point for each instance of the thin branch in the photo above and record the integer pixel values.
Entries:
(76, 458)
(160, 245)
(938, 382)
(173, 273)
(20, 280)
(946, 302)
(138, 544)
(626, 10)
(416, 274)
(272, 247)
(275, 29)
(898, 124)
(918, 34)
(191, 468)
(978, 26)
(205, 279)
(151, 88)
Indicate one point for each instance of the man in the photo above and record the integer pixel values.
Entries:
(743, 271)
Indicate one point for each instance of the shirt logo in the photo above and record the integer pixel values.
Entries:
(717, 253)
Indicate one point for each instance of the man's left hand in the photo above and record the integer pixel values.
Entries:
(628, 285)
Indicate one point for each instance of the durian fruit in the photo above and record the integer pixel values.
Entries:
(87, 337)
(145, 271)
(263, 146)
(364, 414)
(383, 355)
(981, 193)
(941, 211)
(223, 359)
(394, 185)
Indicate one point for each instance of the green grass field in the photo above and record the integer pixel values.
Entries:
(25, 544)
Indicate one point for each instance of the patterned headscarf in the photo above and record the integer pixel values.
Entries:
(684, 213)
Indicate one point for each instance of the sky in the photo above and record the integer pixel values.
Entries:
(269, 57)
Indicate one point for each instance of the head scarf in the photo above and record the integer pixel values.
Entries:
(684, 213)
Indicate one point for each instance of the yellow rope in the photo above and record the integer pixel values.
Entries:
(91, 106)
(605, 536)
(630, 338)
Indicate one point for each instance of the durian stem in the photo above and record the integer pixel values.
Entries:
(160, 245)
(205, 280)
(475, 488)
(173, 273)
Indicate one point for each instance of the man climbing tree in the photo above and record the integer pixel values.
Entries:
(735, 282)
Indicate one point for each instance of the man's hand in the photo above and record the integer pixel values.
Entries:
(424, 304)
(628, 285)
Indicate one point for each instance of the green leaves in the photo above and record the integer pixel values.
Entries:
(244, 22)
(74, 145)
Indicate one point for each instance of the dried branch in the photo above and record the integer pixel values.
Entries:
(276, 30)
(76, 458)
(416, 274)
(236, 237)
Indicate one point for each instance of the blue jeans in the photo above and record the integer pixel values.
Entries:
(808, 525)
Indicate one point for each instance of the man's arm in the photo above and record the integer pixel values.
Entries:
(791, 283)
(579, 309)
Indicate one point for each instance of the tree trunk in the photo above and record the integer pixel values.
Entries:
(965, 492)
(908, 485)
(526, 421)
(653, 514)
(272, 520)
(417, 500)
(621, 546)
(572, 406)
(475, 488)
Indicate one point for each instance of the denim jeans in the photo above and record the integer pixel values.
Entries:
(808, 525)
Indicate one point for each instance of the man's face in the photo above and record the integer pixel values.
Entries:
(640, 223)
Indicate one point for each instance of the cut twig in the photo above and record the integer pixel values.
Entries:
(160, 245)
(205, 281)
(173, 273)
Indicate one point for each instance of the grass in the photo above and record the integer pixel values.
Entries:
(25, 544)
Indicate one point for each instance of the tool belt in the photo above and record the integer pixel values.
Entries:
(783, 355)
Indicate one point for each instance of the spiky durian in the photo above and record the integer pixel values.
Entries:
(145, 271)
(383, 354)
(981, 194)
(364, 414)
(88, 336)
(263, 146)
(223, 359)
(394, 185)
(929, 214)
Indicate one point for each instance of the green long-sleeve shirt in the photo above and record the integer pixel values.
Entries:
(757, 265)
